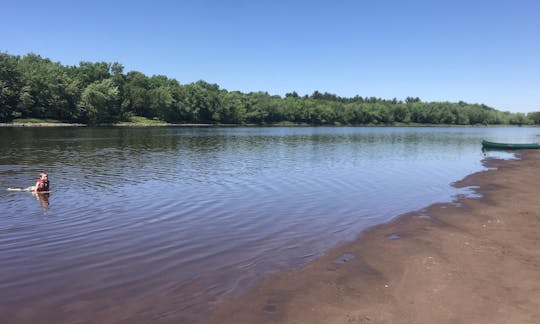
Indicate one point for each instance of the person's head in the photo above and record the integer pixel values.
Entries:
(43, 175)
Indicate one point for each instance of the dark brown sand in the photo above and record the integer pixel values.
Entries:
(478, 262)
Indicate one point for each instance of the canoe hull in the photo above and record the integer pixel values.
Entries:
(509, 146)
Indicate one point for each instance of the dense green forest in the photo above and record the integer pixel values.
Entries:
(98, 93)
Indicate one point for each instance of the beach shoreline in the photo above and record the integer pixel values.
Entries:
(475, 260)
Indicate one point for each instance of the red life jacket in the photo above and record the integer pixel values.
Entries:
(43, 185)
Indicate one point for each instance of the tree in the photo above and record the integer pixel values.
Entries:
(412, 100)
(402, 113)
(10, 83)
(135, 98)
(100, 102)
(162, 104)
(90, 72)
(534, 117)
(233, 108)
(519, 119)
(291, 95)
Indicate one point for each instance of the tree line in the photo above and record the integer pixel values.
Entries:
(99, 92)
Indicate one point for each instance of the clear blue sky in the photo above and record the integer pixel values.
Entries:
(478, 51)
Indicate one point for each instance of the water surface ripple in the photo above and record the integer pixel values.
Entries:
(160, 224)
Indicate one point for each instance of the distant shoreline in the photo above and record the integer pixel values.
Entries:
(104, 125)
(41, 125)
(128, 124)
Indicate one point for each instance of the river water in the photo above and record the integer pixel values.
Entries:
(160, 224)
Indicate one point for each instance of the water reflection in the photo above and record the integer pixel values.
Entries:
(186, 216)
(43, 199)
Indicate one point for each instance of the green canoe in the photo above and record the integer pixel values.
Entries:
(509, 146)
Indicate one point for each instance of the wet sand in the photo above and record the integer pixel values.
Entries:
(477, 261)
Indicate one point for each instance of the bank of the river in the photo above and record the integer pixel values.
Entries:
(123, 124)
(477, 261)
(41, 125)
(163, 124)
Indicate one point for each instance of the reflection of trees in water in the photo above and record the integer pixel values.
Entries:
(118, 156)
(94, 156)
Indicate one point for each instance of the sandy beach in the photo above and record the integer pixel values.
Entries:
(473, 261)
